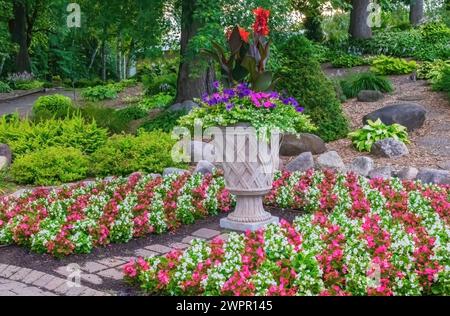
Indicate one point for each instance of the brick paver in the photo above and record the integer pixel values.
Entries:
(96, 272)
(206, 233)
(17, 281)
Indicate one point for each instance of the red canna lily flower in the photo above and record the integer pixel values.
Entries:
(244, 34)
(260, 26)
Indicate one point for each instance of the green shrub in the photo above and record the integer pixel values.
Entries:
(347, 61)
(85, 83)
(127, 83)
(302, 77)
(124, 154)
(157, 101)
(443, 83)
(50, 166)
(392, 43)
(30, 85)
(432, 51)
(116, 121)
(25, 136)
(364, 138)
(429, 42)
(338, 90)
(435, 32)
(432, 71)
(165, 83)
(131, 113)
(384, 65)
(4, 87)
(355, 83)
(56, 105)
(164, 121)
(99, 93)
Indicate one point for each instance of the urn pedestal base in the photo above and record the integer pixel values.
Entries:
(227, 223)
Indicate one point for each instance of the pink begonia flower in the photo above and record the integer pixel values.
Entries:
(143, 264)
(130, 270)
(163, 277)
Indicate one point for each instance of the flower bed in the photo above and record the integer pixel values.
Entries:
(76, 218)
(360, 237)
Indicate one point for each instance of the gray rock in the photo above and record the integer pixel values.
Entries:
(407, 173)
(293, 145)
(389, 148)
(303, 162)
(186, 106)
(444, 165)
(3, 162)
(201, 151)
(6, 152)
(381, 172)
(433, 176)
(18, 193)
(169, 171)
(204, 167)
(361, 165)
(369, 96)
(330, 160)
(409, 98)
(410, 115)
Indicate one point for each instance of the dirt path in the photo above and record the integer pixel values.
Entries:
(430, 145)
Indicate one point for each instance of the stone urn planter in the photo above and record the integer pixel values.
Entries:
(249, 166)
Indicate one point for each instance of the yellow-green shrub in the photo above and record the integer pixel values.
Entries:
(124, 154)
(50, 166)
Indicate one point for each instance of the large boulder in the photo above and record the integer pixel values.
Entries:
(444, 165)
(330, 160)
(381, 172)
(6, 152)
(293, 145)
(407, 173)
(169, 171)
(204, 167)
(411, 115)
(369, 96)
(434, 176)
(361, 165)
(185, 106)
(389, 148)
(303, 162)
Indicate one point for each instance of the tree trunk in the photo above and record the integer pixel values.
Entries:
(18, 30)
(416, 12)
(104, 60)
(359, 26)
(194, 77)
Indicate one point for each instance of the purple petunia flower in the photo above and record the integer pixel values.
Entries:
(229, 106)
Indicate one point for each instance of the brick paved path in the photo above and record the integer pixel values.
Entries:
(95, 276)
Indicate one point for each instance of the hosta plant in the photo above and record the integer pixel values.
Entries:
(432, 70)
(347, 61)
(102, 92)
(364, 138)
(384, 65)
